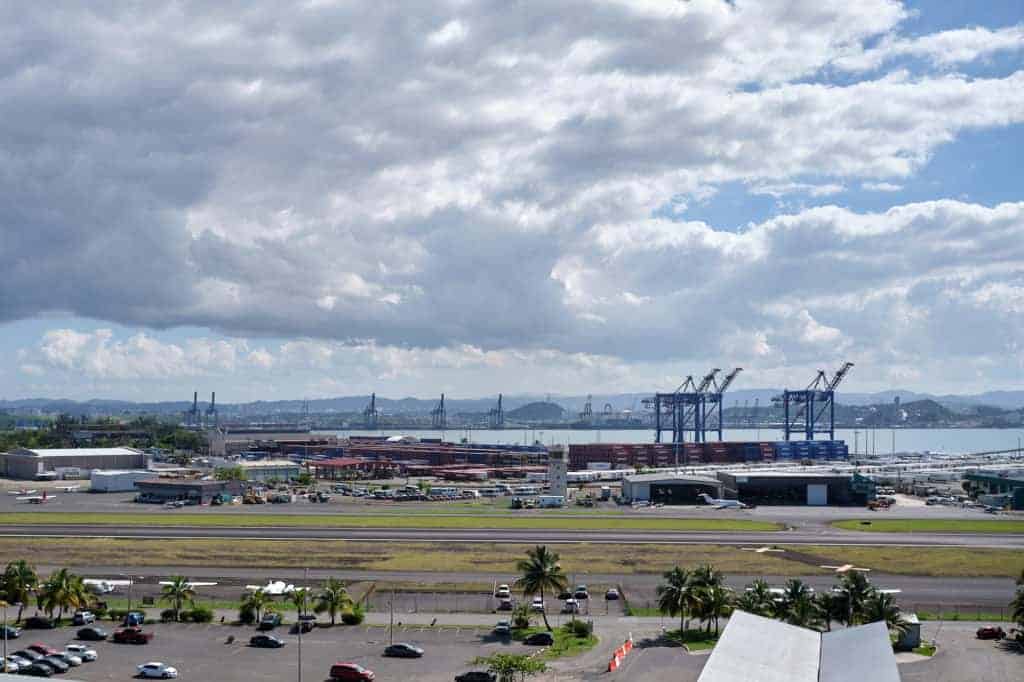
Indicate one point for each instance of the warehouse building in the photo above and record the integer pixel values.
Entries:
(797, 488)
(117, 481)
(70, 463)
(669, 488)
(1005, 486)
(188, 490)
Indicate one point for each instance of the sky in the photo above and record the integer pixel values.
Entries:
(286, 200)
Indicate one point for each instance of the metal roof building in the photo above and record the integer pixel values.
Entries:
(32, 463)
(756, 649)
(669, 488)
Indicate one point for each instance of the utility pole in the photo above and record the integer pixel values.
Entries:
(3, 605)
(391, 625)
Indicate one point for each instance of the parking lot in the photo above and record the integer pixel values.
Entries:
(202, 652)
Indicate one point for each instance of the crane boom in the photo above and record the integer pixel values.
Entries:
(840, 375)
(729, 378)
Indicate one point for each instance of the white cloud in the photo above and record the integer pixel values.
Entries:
(945, 48)
(880, 187)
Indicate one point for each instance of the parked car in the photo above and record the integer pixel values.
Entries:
(503, 592)
(69, 658)
(306, 623)
(404, 650)
(92, 634)
(581, 592)
(505, 605)
(269, 621)
(477, 676)
(132, 636)
(612, 594)
(503, 628)
(20, 661)
(57, 663)
(156, 670)
(11, 665)
(39, 623)
(9, 631)
(82, 651)
(540, 639)
(133, 618)
(537, 605)
(29, 655)
(571, 606)
(351, 672)
(36, 670)
(990, 632)
(83, 618)
(41, 649)
(265, 642)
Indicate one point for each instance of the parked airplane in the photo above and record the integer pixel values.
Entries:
(189, 583)
(36, 499)
(104, 586)
(69, 488)
(722, 504)
(846, 568)
(22, 491)
(273, 588)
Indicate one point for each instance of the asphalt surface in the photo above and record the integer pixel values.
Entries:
(810, 535)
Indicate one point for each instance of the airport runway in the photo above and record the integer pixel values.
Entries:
(809, 535)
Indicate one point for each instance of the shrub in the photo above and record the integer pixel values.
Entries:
(580, 628)
(353, 616)
(117, 614)
(200, 614)
(167, 615)
(247, 615)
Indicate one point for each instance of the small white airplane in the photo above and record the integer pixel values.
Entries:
(719, 503)
(189, 583)
(23, 491)
(838, 590)
(69, 488)
(104, 586)
(36, 499)
(274, 588)
(762, 550)
(846, 568)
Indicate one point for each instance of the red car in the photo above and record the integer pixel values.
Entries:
(41, 648)
(131, 635)
(990, 632)
(351, 672)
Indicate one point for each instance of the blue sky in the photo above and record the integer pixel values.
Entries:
(564, 198)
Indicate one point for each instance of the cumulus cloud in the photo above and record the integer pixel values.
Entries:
(413, 181)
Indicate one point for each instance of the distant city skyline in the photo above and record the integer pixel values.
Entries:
(568, 197)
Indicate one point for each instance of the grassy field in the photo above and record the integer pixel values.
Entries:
(968, 615)
(566, 643)
(484, 558)
(933, 561)
(525, 522)
(932, 525)
(693, 640)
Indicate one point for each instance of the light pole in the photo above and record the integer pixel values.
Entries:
(3, 605)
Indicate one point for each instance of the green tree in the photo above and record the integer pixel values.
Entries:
(333, 598)
(881, 606)
(796, 606)
(675, 595)
(62, 591)
(235, 473)
(715, 602)
(256, 601)
(831, 607)
(19, 582)
(757, 599)
(854, 589)
(300, 599)
(509, 667)
(522, 617)
(541, 572)
(177, 592)
(706, 581)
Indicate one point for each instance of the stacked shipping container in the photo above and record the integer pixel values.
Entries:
(662, 455)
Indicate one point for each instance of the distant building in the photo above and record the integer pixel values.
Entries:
(669, 488)
(558, 471)
(797, 488)
(1007, 486)
(117, 481)
(196, 491)
(71, 463)
(767, 650)
(269, 470)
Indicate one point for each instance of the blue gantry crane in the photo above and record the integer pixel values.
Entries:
(813, 409)
(692, 407)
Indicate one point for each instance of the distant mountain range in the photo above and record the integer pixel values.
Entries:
(1006, 400)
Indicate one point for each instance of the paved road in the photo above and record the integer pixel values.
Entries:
(818, 535)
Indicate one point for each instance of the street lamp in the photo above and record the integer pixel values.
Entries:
(3, 606)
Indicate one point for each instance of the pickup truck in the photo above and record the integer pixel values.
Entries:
(132, 635)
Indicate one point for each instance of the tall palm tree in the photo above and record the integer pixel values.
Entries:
(333, 598)
(256, 601)
(300, 598)
(831, 607)
(796, 606)
(757, 599)
(20, 581)
(177, 592)
(540, 572)
(881, 606)
(1017, 605)
(675, 595)
(716, 601)
(855, 589)
(62, 590)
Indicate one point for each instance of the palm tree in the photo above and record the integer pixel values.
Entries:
(855, 589)
(19, 581)
(831, 606)
(757, 599)
(256, 601)
(675, 595)
(62, 590)
(541, 571)
(716, 601)
(300, 598)
(333, 598)
(881, 606)
(1017, 605)
(177, 592)
(797, 605)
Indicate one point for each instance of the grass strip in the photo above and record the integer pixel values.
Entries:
(177, 519)
(566, 643)
(961, 562)
(967, 615)
(693, 640)
(931, 525)
(924, 650)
